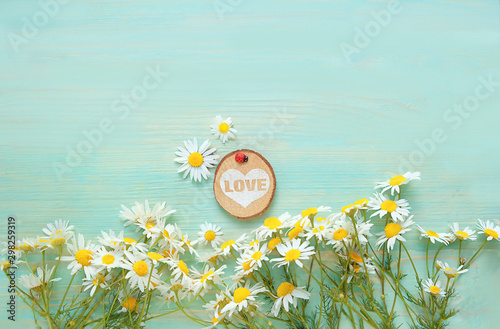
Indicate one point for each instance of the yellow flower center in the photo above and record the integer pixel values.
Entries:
(108, 259)
(141, 268)
(355, 257)
(285, 289)
(432, 233)
(397, 180)
(25, 247)
(209, 235)
(84, 256)
(388, 206)
(227, 244)
(360, 202)
(149, 225)
(195, 159)
(490, 232)
(271, 245)
(155, 255)
(357, 268)
(462, 235)
(186, 241)
(272, 223)
(6, 265)
(203, 278)
(247, 265)
(257, 255)
(129, 303)
(340, 234)
(97, 282)
(344, 208)
(320, 219)
(129, 240)
(166, 254)
(251, 244)
(241, 294)
(392, 229)
(434, 290)
(319, 229)
(165, 234)
(295, 232)
(292, 255)
(57, 242)
(223, 127)
(309, 212)
(183, 267)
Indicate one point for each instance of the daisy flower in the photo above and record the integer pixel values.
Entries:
(271, 244)
(293, 251)
(180, 271)
(226, 247)
(243, 297)
(223, 129)
(489, 229)
(433, 236)
(272, 225)
(28, 245)
(210, 233)
(288, 294)
(203, 279)
(450, 271)
(138, 211)
(34, 281)
(139, 271)
(305, 217)
(82, 255)
(108, 259)
(392, 232)
(350, 209)
(320, 230)
(435, 289)
(111, 240)
(134, 246)
(252, 259)
(340, 234)
(99, 281)
(465, 234)
(395, 183)
(129, 304)
(196, 161)
(382, 206)
(58, 233)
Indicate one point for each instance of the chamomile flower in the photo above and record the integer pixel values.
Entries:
(203, 279)
(196, 161)
(180, 272)
(272, 225)
(111, 240)
(434, 288)
(397, 209)
(392, 232)
(271, 244)
(340, 234)
(433, 236)
(210, 233)
(186, 243)
(252, 259)
(293, 251)
(169, 240)
(351, 209)
(98, 282)
(489, 229)
(138, 211)
(58, 233)
(243, 297)
(223, 129)
(82, 255)
(464, 234)
(108, 259)
(134, 246)
(305, 217)
(4, 266)
(450, 271)
(395, 183)
(29, 245)
(226, 247)
(34, 281)
(129, 304)
(140, 270)
(288, 294)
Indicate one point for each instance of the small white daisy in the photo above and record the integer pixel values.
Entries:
(82, 255)
(111, 240)
(138, 211)
(464, 234)
(305, 217)
(433, 236)
(450, 271)
(320, 230)
(351, 209)
(489, 229)
(382, 206)
(180, 272)
(392, 232)
(196, 161)
(98, 282)
(210, 233)
(243, 297)
(58, 233)
(202, 280)
(272, 225)
(34, 282)
(288, 294)
(435, 289)
(395, 183)
(293, 251)
(108, 259)
(223, 129)
(251, 259)
(226, 247)
(140, 269)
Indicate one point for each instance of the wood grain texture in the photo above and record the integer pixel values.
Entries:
(331, 126)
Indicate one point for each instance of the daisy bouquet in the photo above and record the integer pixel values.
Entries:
(316, 269)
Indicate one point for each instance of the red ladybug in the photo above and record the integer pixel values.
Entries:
(241, 157)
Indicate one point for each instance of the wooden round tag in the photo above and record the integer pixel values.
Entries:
(244, 189)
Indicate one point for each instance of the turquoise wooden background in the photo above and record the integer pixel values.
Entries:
(334, 111)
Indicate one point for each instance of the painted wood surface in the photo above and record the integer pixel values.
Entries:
(337, 95)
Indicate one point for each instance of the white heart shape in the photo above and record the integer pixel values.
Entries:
(230, 184)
